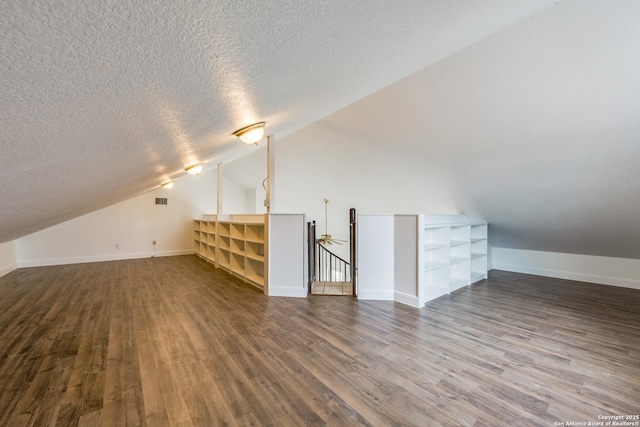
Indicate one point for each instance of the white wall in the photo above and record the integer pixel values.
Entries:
(376, 257)
(352, 170)
(587, 268)
(127, 229)
(8, 258)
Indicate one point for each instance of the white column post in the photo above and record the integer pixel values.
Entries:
(271, 173)
(219, 191)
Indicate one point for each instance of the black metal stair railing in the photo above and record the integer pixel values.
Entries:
(324, 265)
(330, 267)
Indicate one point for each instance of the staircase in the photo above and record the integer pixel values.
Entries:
(328, 273)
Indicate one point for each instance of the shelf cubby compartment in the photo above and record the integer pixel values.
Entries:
(211, 239)
(435, 237)
(225, 258)
(223, 229)
(479, 231)
(211, 227)
(254, 233)
(460, 234)
(255, 272)
(236, 264)
(236, 231)
(478, 268)
(436, 282)
(436, 257)
(236, 245)
(254, 250)
(460, 252)
(479, 251)
(211, 253)
(460, 274)
(223, 242)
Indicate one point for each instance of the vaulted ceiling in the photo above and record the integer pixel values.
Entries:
(104, 100)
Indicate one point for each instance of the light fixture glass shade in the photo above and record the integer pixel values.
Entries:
(168, 184)
(195, 169)
(251, 134)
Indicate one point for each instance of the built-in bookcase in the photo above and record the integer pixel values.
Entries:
(238, 244)
(435, 255)
(437, 260)
(479, 251)
(235, 243)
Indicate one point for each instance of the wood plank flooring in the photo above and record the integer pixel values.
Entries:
(332, 288)
(174, 342)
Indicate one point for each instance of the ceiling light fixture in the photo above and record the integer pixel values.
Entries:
(167, 184)
(251, 134)
(195, 169)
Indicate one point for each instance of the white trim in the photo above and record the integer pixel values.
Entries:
(383, 295)
(283, 291)
(102, 258)
(570, 275)
(8, 269)
(405, 298)
(621, 272)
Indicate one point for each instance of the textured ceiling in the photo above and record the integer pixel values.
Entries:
(104, 100)
(535, 129)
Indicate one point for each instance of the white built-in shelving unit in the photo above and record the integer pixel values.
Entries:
(479, 251)
(452, 254)
(429, 255)
(239, 244)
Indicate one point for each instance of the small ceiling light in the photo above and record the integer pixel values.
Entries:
(195, 169)
(168, 184)
(251, 134)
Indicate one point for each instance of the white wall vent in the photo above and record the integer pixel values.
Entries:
(161, 201)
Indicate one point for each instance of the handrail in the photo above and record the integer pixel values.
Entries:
(330, 267)
(353, 250)
(325, 266)
(311, 254)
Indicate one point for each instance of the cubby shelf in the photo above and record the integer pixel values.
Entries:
(454, 253)
(237, 246)
(266, 251)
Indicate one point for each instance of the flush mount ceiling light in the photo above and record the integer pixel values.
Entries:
(195, 169)
(167, 184)
(251, 134)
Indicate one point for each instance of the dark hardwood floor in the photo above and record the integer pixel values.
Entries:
(172, 341)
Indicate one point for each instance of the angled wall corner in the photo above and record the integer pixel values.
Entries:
(8, 258)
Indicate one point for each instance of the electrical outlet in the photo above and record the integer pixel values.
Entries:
(154, 243)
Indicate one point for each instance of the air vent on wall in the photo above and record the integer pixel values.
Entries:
(161, 201)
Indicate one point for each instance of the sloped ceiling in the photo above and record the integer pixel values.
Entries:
(529, 109)
(104, 100)
(535, 129)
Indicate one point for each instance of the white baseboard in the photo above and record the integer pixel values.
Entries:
(407, 299)
(102, 258)
(384, 295)
(8, 269)
(282, 291)
(621, 272)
